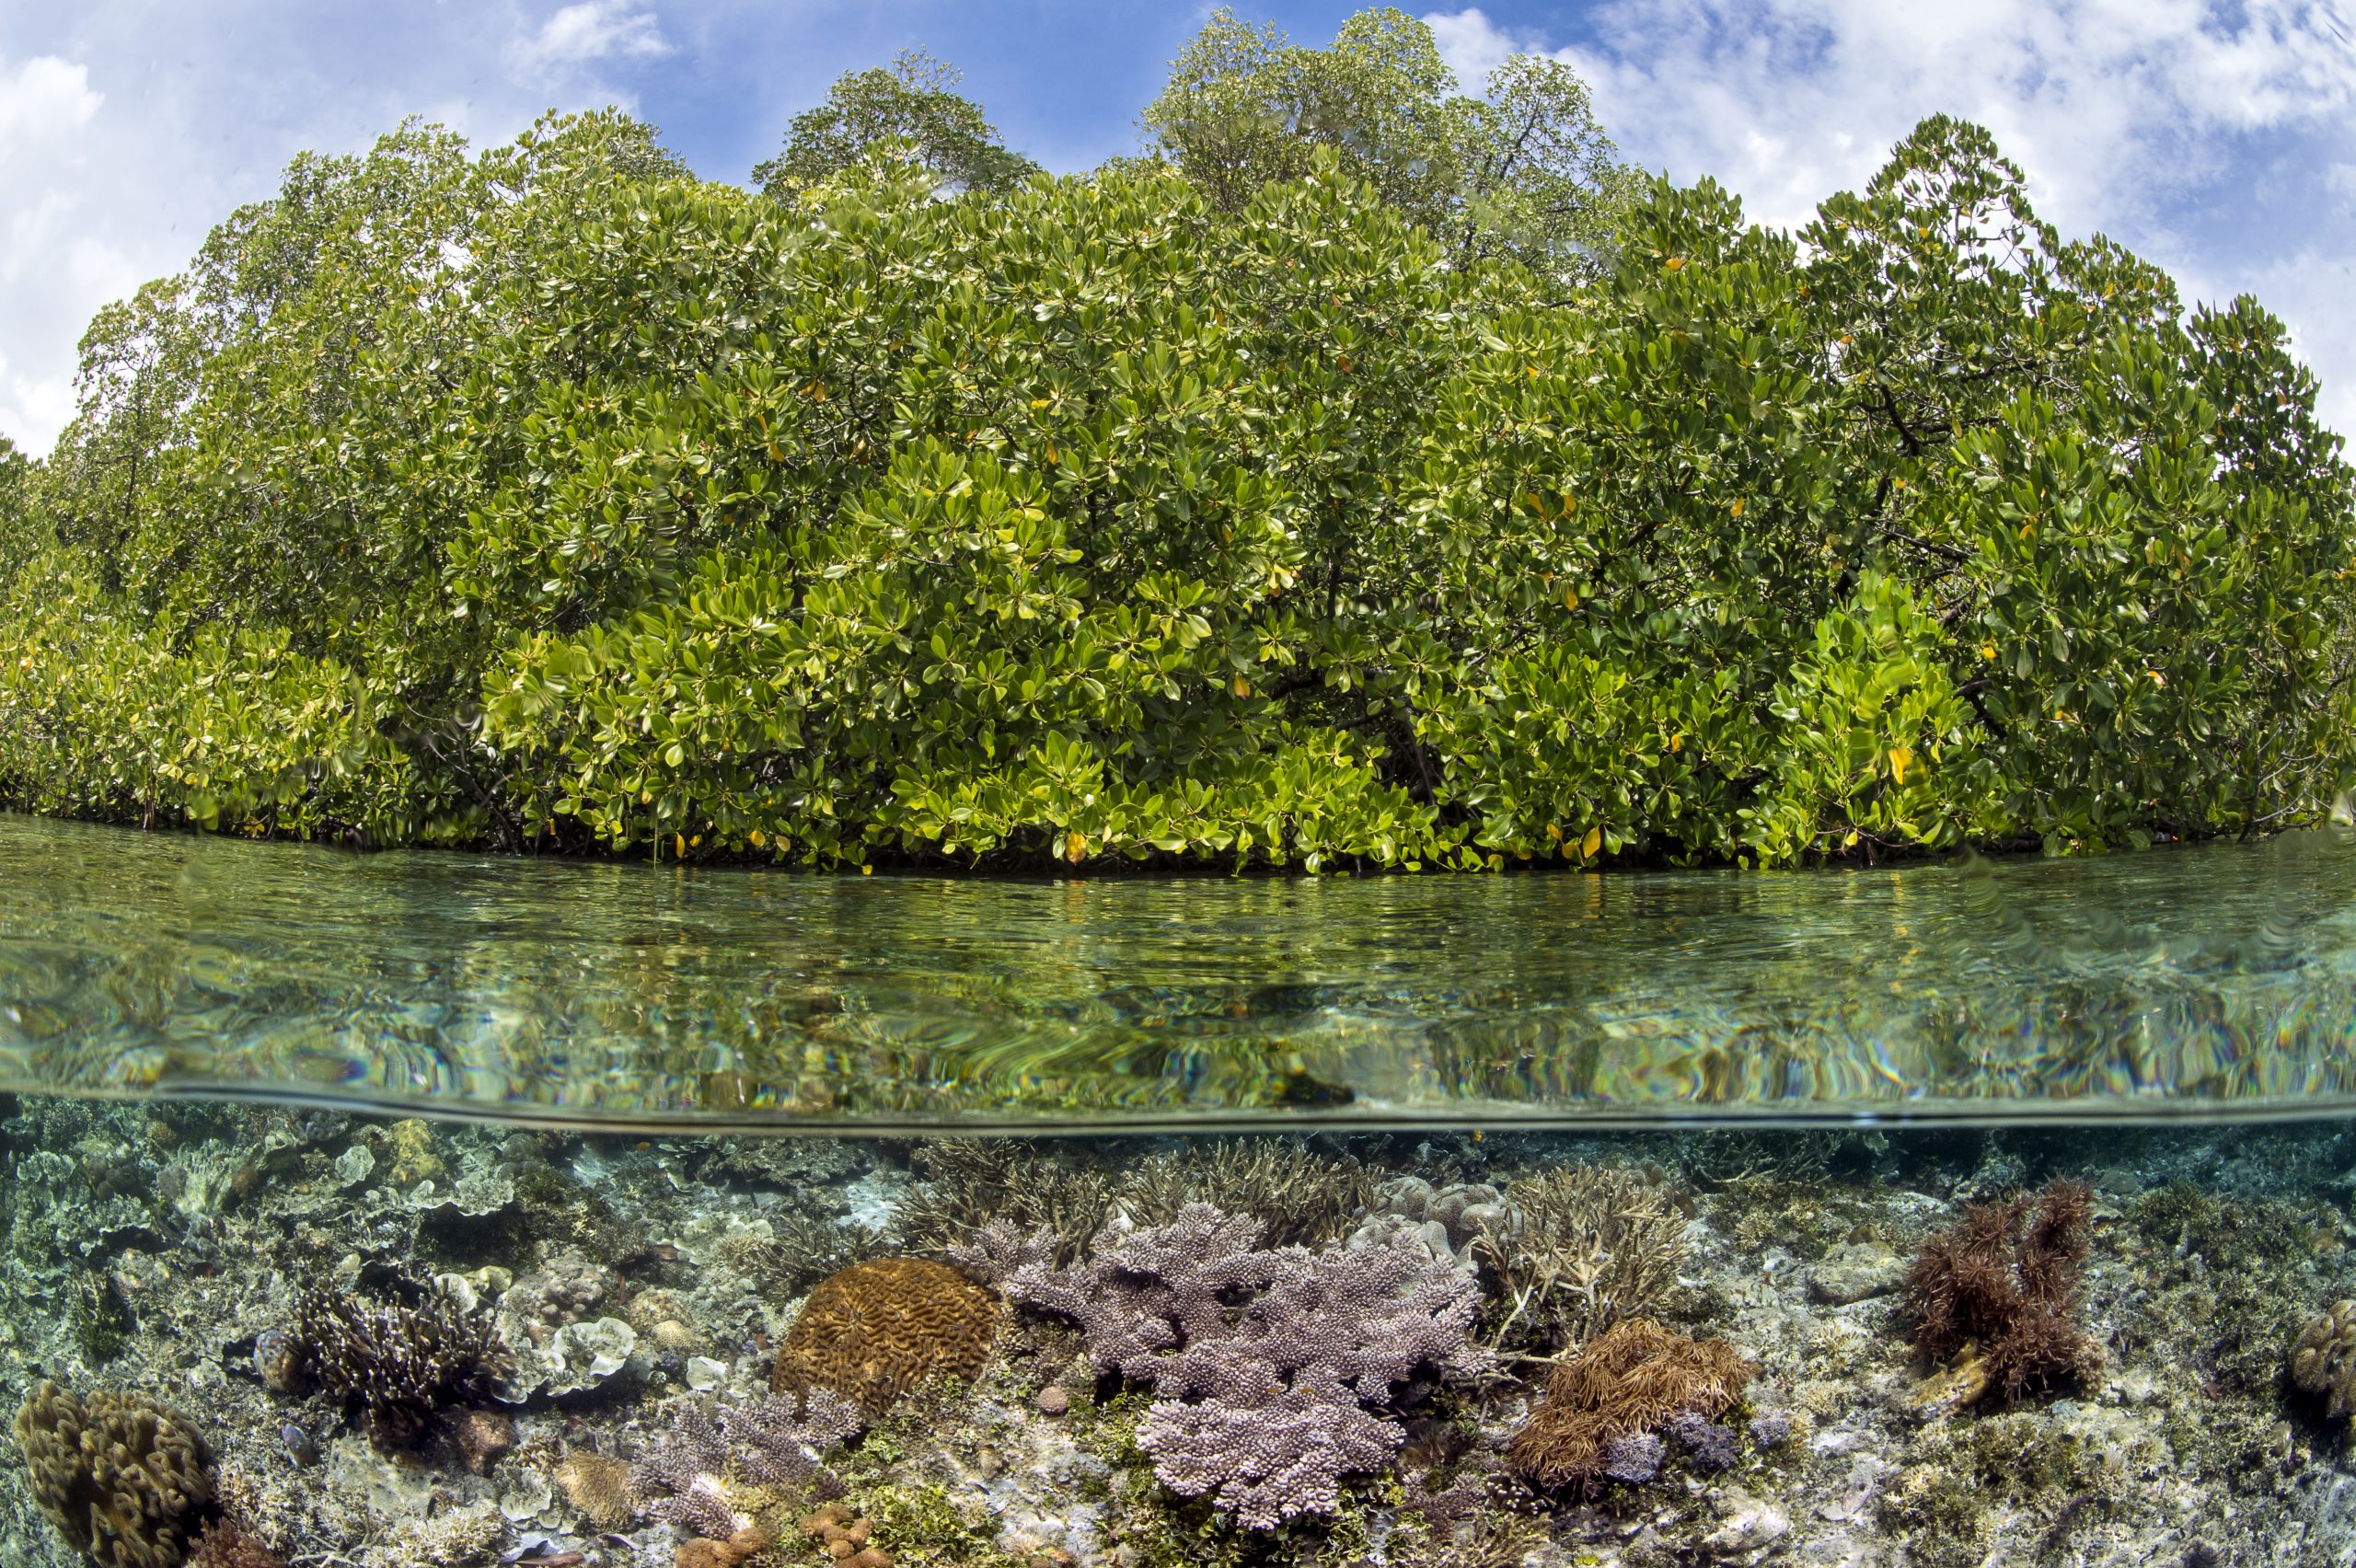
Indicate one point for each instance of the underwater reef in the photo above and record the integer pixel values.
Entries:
(245, 1336)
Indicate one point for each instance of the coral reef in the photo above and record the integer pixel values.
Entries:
(2324, 1359)
(597, 1484)
(398, 1361)
(781, 1437)
(679, 1478)
(1636, 1378)
(846, 1537)
(1579, 1249)
(741, 1546)
(966, 1183)
(875, 1330)
(1298, 1196)
(223, 1545)
(2004, 1279)
(126, 1481)
(1262, 1360)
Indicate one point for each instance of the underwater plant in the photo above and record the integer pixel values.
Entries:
(1605, 1405)
(398, 1363)
(1269, 1365)
(2004, 1279)
(875, 1330)
(127, 1481)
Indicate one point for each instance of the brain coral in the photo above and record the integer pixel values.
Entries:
(875, 1330)
(2323, 1361)
(124, 1480)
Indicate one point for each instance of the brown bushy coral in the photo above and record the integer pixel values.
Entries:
(875, 1330)
(126, 1482)
(1633, 1380)
(2323, 1360)
(2004, 1277)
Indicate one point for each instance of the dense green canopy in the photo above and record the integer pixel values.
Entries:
(552, 497)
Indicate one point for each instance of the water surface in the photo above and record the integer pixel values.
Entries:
(2218, 980)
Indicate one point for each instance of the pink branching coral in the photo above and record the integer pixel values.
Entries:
(1265, 1359)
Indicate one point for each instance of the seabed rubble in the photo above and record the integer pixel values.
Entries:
(620, 1353)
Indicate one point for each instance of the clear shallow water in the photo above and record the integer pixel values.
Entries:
(2191, 982)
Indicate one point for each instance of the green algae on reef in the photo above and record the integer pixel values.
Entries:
(159, 1249)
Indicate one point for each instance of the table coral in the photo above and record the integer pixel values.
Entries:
(875, 1330)
(127, 1481)
(1263, 1360)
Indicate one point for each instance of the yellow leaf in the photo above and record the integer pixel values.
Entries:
(1553, 832)
(1987, 651)
(1243, 687)
(1533, 370)
(757, 838)
(1075, 848)
(1675, 264)
(1736, 508)
(2157, 679)
(1850, 842)
(679, 844)
(1900, 760)
(1592, 842)
(867, 870)
(1570, 598)
(1676, 742)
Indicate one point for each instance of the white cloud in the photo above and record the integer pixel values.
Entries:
(2141, 118)
(42, 98)
(593, 30)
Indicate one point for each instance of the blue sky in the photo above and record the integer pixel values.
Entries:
(2218, 137)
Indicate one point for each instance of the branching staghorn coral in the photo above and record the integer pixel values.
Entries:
(1264, 1360)
(969, 1183)
(1299, 1196)
(776, 1440)
(1581, 1248)
(2004, 1277)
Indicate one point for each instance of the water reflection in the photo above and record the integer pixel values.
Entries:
(2183, 981)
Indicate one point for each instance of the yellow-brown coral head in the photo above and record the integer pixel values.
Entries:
(876, 1330)
(2323, 1361)
(126, 1482)
(1632, 1379)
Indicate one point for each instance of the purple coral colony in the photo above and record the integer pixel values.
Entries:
(239, 1337)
